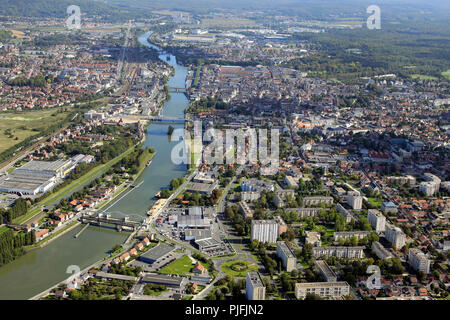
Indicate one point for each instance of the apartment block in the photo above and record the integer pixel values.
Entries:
(395, 236)
(354, 200)
(380, 251)
(327, 273)
(418, 260)
(377, 220)
(349, 234)
(255, 289)
(287, 256)
(245, 210)
(307, 201)
(339, 252)
(324, 289)
(264, 231)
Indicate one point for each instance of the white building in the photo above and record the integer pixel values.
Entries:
(254, 288)
(395, 236)
(418, 260)
(286, 255)
(264, 231)
(377, 220)
(323, 289)
(431, 184)
(354, 200)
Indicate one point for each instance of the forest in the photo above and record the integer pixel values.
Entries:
(11, 246)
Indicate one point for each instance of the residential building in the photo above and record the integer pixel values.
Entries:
(418, 260)
(255, 289)
(339, 252)
(327, 273)
(323, 289)
(395, 236)
(380, 251)
(264, 230)
(307, 201)
(389, 207)
(245, 210)
(284, 252)
(354, 200)
(377, 220)
(313, 238)
(349, 234)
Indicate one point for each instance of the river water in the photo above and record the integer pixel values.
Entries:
(42, 268)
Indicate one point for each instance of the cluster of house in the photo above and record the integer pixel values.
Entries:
(80, 75)
(140, 246)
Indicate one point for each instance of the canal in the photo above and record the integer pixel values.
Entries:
(42, 268)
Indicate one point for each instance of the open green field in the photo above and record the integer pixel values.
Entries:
(376, 202)
(181, 266)
(446, 74)
(422, 77)
(238, 268)
(17, 126)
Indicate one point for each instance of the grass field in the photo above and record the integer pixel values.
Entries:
(446, 74)
(229, 267)
(15, 127)
(376, 202)
(422, 77)
(180, 266)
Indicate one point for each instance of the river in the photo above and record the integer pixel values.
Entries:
(42, 268)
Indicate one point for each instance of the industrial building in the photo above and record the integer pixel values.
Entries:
(174, 282)
(39, 176)
(155, 254)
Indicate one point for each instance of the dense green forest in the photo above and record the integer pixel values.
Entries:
(36, 81)
(19, 208)
(11, 246)
(58, 9)
(350, 54)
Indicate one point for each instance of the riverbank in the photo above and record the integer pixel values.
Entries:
(41, 269)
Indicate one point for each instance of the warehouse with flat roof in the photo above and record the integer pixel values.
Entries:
(155, 254)
(174, 282)
(26, 183)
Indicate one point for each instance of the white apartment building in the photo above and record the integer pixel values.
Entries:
(323, 289)
(254, 288)
(418, 260)
(264, 231)
(377, 220)
(395, 236)
(354, 200)
(339, 252)
(286, 255)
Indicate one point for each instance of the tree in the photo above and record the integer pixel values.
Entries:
(312, 296)
(216, 194)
